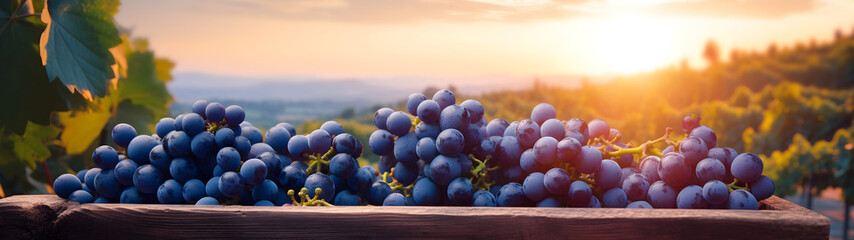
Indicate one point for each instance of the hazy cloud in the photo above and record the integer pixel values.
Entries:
(736, 8)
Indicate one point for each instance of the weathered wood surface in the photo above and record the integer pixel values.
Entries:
(49, 217)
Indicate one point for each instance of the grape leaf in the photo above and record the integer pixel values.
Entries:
(27, 94)
(32, 146)
(80, 128)
(143, 85)
(75, 46)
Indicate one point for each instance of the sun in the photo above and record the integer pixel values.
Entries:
(631, 44)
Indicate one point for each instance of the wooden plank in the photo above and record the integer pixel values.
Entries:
(780, 220)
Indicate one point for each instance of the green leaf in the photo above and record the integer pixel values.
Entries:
(81, 128)
(32, 146)
(144, 85)
(31, 95)
(75, 46)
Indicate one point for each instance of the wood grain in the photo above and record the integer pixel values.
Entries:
(45, 216)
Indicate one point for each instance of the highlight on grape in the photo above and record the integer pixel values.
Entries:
(434, 152)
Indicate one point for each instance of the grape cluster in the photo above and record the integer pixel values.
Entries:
(211, 156)
(441, 153)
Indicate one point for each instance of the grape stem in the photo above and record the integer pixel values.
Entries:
(316, 162)
(305, 201)
(395, 185)
(735, 186)
(479, 172)
(644, 149)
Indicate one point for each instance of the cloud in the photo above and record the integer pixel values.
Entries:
(736, 8)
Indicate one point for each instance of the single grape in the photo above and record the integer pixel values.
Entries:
(199, 107)
(193, 124)
(234, 115)
(425, 130)
(741, 199)
(164, 126)
(715, 192)
(266, 190)
(449, 143)
(557, 181)
(273, 162)
(614, 198)
(381, 142)
(292, 178)
(473, 109)
(332, 127)
(691, 197)
(426, 193)
(207, 201)
(568, 150)
(636, 187)
(252, 133)
(552, 201)
(89, 179)
(122, 134)
(182, 169)
(132, 195)
(348, 198)
(661, 195)
(649, 168)
(105, 157)
(508, 151)
(675, 170)
(346, 143)
(762, 188)
(298, 147)
(598, 128)
(398, 123)
(545, 150)
(106, 184)
(378, 193)
(747, 167)
(253, 171)
(444, 98)
(81, 196)
(343, 165)
(360, 183)
(177, 144)
(203, 145)
(264, 203)
(577, 125)
(192, 191)
(552, 128)
(590, 159)
(413, 101)
(170, 192)
(534, 187)
(277, 138)
(496, 127)
(512, 195)
(639, 204)
(694, 150)
(443, 169)
(212, 187)
(707, 134)
(140, 147)
(231, 184)
(710, 169)
(429, 111)
(542, 112)
(460, 192)
(609, 175)
(690, 122)
(124, 171)
(228, 159)
(426, 149)
(405, 148)
(215, 112)
(386, 163)
(453, 116)
(381, 116)
(320, 180)
(395, 199)
(66, 184)
(579, 194)
(483, 198)
(528, 132)
(147, 179)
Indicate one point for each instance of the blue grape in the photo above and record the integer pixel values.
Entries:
(81, 175)
(545, 150)
(203, 145)
(636, 187)
(212, 187)
(413, 101)
(264, 203)
(449, 143)
(725, 155)
(694, 150)
(215, 112)
(496, 127)
(273, 162)
(488, 146)
(170, 192)
(339, 183)
(609, 174)
(147, 178)
(578, 125)
(426, 149)
(140, 147)
(81, 196)
(534, 187)
(104, 200)
(386, 163)
(259, 148)
(231, 184)
(300, 165)
(427, 193)
(207, 201)
(543, 112)
(164, 126)
(741, 199)
(124, 171)
(182, 169)
(508, 151)
(179, 122)
(598, 128)
(675, 170)
(252, 133)
(707, 134)
(193, 124)
(398, 123)
(122, 134)
(228, 159)
(192, 191)
(649, 168)
(527, 132)
(266, 190)
(395, 199)
(715, 192)
(444, 98)
(298, 146)
(473, 109)
(381, 117)
(512, 195)
(557, 181)
(89, 179)
(589, 160)
(472, 137)
(691, 197)
(343, 165)
(132, 195)
(551, 202)
(332, 127)
(348, 198)
(511, 129)
(253, 171)
(639, 204)
(106, 184)
(292, 177)
(429, 111)
(199, 107)
(320, 180)
(747, 167)
(453, 116)
(105, 157)
(404, 148)
(661, 195)
(460, 192)
(361, 181)
(66, 184)
(615, 198)
(762, 188)
(528, 162)
(552, 128)
(381, 142)
(234, 115)
(282, 198)
(177, 144)
(346, 143)
(568, 150)
(160, 159)
(378, 193)
(579, 194)
(484, 198)
(426, 130)
(710, 169)
(277, 138)
(443, 169)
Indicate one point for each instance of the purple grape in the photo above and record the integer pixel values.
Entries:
(741, 199)
(715, 192)
(636, 187)
(413, 101)
(675, 171)
(649, 168)
(747, 167)
(528, 132)
(557, 181)
(710, 169)
(542, 112)
(496, 127)
(609, 175)
(381, 116)
(691, 197)
(598, 128)
(545, 150)
(590, 159)
(762, 188)
(661, 195)
(579, 194)
(552, 128)
(707, 134)
(694, 150)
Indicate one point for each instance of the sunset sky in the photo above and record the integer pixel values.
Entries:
(459, 39)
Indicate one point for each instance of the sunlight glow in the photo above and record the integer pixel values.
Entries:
(630, 44)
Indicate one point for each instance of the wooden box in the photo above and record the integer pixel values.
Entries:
(50, 217)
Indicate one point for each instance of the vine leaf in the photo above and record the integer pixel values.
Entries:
(81, 128)
(75, 45)
(32, 146)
